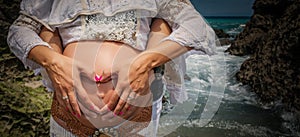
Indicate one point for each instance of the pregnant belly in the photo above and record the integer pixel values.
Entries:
(99, 57)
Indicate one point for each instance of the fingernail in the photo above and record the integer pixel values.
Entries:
(107, 116)
(105, 110)
(74, 113)
(121, 113)
(78, 115)
(97, 109)
(128, 108)
(67, 108)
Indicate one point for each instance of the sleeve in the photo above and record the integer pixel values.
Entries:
(23, 33)
(188, 26)
(22, 37)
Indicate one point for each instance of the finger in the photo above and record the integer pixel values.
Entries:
(143, 92)
(69, 99)
(104, 110)
(58, 97)
(145, 89)
(146, 100)
(108, 110)
(143, 85)
(110, 106)
(109, 115)
(141, 96)
(131, 113)
(138, 85)
(129, 97)
(131, 106)
(130, 110)
(85, 100)
(127, 111)
(61, 102)
(68, 106)
(112, 118)
(74, 105)
(87, 112)
(119, 107)
(128, 107)
(63, 99)
(122, 102)
(112, 103)
(81, 94)
(60, 94)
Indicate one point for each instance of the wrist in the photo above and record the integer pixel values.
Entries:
(152, 59)
(162, 53)
(44, 56)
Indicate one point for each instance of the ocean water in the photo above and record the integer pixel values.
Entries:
(230, 25)
(220, 106)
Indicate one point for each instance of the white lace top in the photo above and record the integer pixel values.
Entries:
(126, 21)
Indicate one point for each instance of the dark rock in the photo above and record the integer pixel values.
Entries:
(224, 41)
(187, 77)
(271, 38)
(221, 34)
(224, 38)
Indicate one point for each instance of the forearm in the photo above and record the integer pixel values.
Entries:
(158, 51)
(23, 37)
(188, 27)
(44, 56)
(162, 53)
(53, 38)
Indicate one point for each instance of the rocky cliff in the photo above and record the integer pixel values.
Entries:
(271, 38)
(25, 106)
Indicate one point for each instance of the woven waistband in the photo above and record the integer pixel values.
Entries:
(71, 123)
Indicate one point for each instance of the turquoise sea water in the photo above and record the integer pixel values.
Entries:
(231, 25)
(220, 106)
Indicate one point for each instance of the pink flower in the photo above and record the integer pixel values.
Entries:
(98, 78)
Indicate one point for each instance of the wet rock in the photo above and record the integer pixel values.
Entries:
(224, 38)
(221, 34)
(225, 41)
(271, 38)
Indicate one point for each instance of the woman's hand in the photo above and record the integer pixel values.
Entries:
(132, 88)
(65, 74)
(133, 76)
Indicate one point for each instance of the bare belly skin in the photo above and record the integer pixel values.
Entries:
(101, 56)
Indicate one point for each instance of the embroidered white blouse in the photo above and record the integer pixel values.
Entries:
(126, 21)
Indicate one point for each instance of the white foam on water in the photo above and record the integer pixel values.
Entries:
(237, 99)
